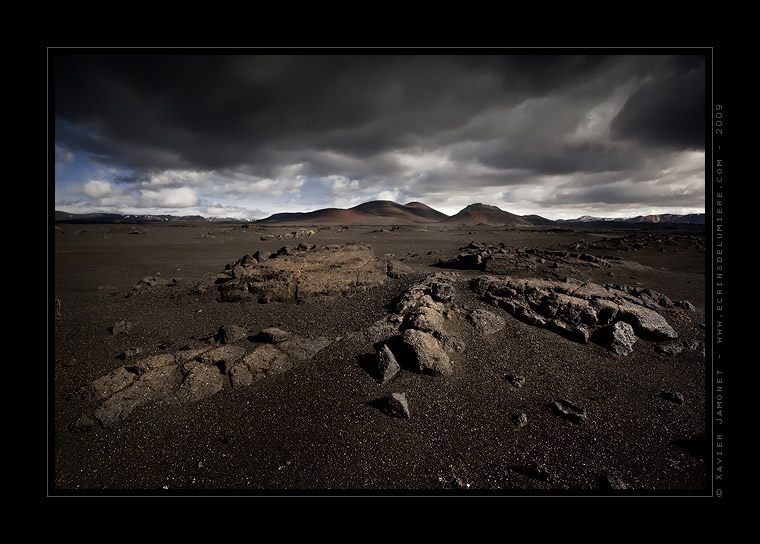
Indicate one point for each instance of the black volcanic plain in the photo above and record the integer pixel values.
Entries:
(124, 293)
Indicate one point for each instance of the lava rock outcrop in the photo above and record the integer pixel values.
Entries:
(578, 309)
(296, 273)
(187, 376)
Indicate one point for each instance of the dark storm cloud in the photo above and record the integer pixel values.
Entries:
(494, 120)
(219, 111)
(668, 111)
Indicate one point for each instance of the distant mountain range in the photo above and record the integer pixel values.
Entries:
(689, 219)
(386, 212)
(65, 217)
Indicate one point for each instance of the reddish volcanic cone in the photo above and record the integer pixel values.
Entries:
(476, 214)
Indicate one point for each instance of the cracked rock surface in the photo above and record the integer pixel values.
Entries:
(188, 376)
(296, 273)
(578, 309)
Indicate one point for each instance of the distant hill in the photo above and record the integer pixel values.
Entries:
(414, 212)
(484, 214)
(423, 210)
(329, 216)
(375, 212)
(538, 220)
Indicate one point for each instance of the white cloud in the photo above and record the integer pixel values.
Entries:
(97, 189)
(181, 197)
(64, 154)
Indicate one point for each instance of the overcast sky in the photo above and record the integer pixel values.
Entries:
(248, 135)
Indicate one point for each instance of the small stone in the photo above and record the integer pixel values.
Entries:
(686, 305)
(387, 365)
(396, 405)
(229, 334)
(570, 411)
(121, 327)
(84, 424)
(672, 396)
(521, 420)
(515, 380)
(669, 349)
(621, 338)
(261, 255)
(612, 481)
(540, 472)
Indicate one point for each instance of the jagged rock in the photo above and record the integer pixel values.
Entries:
(486, 322)
(396, 405)
(647, 323)
(425, 319)
(121, 327)
(697, 345)
(570, 411)
(427, 353)
(151, 281)
(380, 330)
(672, 396)
(669, 349)
(503, 260)
(83, 424)
(396, 269)
(606, 310)
(432, 292)
(261, 255)
(612, 481)
(521, 420)
(577, 309)
(421, 315)
(540, 472)
(621, 338)
(229, 334)
(516, 381)
(685, 304)
(387, 365)
(443, 292)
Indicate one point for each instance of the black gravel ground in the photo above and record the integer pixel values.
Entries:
(316, 429)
